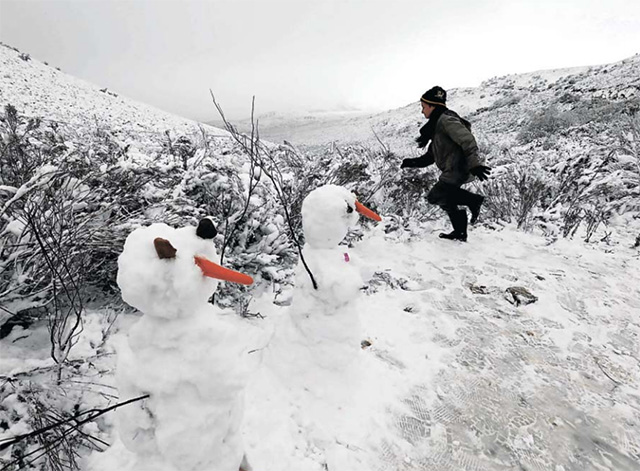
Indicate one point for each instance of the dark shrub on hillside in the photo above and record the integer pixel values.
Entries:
(546, 122)
(509, 100)
(552, 121)
(64, 201)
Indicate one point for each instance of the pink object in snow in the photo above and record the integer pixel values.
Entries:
(346, 257)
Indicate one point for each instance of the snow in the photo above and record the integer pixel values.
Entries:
(15, 227)
(447, 365)
(326, 217)
(451, 376)
(548, 76)
(324, 323)
(164, 288)
(448, 370)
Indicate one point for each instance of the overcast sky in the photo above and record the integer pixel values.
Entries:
(312, 55)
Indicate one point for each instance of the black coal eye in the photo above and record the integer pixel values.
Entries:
(206, 229)
(349, 208)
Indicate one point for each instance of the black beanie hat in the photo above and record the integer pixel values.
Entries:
(435, 96)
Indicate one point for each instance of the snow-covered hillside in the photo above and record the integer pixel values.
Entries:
(498, 105)
(40, 90)
(575, 131)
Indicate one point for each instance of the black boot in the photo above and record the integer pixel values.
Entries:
(459, 222)
(475, 208)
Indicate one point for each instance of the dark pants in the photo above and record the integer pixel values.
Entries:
(449, 197)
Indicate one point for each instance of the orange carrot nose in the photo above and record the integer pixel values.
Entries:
(362, 209)
(213, 270)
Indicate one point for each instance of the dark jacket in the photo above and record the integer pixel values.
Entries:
(453, 149)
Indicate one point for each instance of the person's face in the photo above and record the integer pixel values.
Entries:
(427, 109)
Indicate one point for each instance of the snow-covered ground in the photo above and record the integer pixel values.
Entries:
(457, 377)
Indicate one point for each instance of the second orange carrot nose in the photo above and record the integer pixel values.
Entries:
(362, 209)
(213, 270)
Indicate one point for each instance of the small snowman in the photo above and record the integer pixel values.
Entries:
(316, 348)
(190, 357)
(325, 316)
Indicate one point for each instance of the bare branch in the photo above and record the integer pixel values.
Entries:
(93, 414)
(263, 158)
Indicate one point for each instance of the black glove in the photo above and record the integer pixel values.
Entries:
(481, 171)
(405, 163)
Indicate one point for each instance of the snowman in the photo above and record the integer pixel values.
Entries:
(324, 315)
(316, 348)
(189, 356)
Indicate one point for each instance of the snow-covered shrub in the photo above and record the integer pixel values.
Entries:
(38, 425)
(374, 175)
(19, 156)
(181, 148)
(508, 100)
(547, 122)
(518, 191)
(406, 197)
(24, 168)
(589, 191)
(573, 167)
(603, 113)
(65, 211)
(100, 189)
(302, 172)
(568, 98)
(627, 162)
(252, 232)
(52, 193)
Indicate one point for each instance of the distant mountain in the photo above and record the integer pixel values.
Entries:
(498, 105)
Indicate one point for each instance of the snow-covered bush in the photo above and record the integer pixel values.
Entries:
(85, 192)
(182, 148)
(19, 157)
(406, 197)
(568, 167)
(47, 426)
(74, 194)
(517, 192)
(560, 192)
(627, 162)
(54, 215)
(374, 175)
(252, 231)
(508, 100)
(547, 122)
